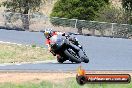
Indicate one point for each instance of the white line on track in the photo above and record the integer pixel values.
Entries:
(17, 44)
(35, 62)
(12, 43)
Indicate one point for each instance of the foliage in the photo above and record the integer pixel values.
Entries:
(78, 9)
(34, 45)
(112, 14)
(22, 6)
(127, 5)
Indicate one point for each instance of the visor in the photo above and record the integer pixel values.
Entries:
(47, 35)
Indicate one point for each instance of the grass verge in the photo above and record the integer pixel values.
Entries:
(12, 53)
(69, 83)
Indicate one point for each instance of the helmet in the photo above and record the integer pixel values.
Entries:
(48, 33)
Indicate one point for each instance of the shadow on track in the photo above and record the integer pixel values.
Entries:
(62, 63)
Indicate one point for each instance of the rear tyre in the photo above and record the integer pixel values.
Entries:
(60, 59)
(74, 58)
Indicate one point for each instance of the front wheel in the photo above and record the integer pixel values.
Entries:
(86, 60)
(74, 57)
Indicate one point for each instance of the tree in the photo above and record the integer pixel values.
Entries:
(23, 7)
(112, 14)
(127, 5)
(77, 9)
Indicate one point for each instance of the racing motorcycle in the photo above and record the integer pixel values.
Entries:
(67, 50)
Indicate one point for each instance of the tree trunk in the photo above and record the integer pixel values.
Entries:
(93, 32)
(25, 18)
(80, 30)
(79, 27)
(25, 21)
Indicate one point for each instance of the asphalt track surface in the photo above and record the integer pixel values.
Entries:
(104, 53)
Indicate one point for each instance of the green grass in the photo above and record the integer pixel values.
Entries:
(11, 53)
(69, 83)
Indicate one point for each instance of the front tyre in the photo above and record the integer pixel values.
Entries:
(73, 57)
(86, 60)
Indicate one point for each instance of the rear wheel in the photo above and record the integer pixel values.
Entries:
(60, 59)
(74, 57)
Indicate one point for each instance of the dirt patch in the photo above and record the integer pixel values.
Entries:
(34, 77)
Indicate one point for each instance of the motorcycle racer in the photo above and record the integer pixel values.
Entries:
(51, 37)
(48, 33)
